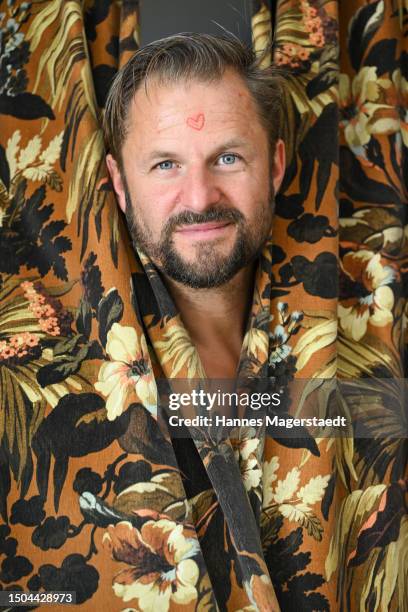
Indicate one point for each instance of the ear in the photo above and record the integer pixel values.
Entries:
(116, 181)
(279, 165)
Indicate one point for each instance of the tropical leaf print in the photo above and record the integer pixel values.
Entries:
(292, 502)
(177, 349)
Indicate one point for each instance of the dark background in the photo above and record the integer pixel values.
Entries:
(159, 18)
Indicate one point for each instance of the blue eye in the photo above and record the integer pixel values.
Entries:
(229, 158)
(165, 165)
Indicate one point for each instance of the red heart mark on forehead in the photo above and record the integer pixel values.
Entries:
(196, 122)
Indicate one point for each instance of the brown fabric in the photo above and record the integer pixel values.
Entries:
(94, 496)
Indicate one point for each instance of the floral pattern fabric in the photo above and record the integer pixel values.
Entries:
(95, 496)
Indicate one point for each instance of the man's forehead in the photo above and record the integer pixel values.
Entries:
(192, 102)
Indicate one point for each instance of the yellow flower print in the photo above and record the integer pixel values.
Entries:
(374, 300)
(401, 102)
(246, 449)
(363, 108)
(127, 374)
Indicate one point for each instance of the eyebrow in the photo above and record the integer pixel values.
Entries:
(233, 143)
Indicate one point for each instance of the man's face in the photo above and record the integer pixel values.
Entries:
(197, 186)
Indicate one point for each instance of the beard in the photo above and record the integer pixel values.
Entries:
(210, 268)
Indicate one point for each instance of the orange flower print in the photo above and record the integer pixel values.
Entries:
(162, 572)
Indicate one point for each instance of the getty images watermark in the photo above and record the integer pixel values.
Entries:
(219, 400)
(363, 408)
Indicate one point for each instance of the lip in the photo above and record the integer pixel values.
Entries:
(204, 230)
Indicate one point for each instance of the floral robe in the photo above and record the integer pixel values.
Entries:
(95, 496)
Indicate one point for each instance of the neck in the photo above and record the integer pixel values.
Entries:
(216, 318)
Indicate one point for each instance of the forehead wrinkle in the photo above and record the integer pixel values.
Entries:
(170, 121)
(214, 119)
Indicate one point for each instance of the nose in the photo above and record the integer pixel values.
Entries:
(200, 190)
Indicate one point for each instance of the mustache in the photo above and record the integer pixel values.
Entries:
(189, 217)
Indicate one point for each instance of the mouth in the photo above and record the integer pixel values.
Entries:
(206, 231)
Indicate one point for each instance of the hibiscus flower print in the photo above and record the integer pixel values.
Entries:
(374, 298)
(163, 573)
(364, 109)
(128, 375)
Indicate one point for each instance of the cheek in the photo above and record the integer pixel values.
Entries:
(155, 204)
(159, 195)
(251, 195)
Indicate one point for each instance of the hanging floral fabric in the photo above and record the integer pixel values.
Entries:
(96, 498)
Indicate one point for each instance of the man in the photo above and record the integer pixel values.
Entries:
(192, 127)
